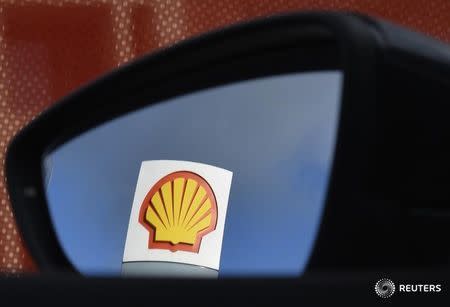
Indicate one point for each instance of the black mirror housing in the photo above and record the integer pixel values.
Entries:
(390, 173)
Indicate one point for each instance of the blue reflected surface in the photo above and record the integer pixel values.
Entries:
(277, 136)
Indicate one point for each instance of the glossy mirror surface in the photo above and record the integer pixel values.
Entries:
(276, 134)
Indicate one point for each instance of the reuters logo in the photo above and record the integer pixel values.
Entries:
(385, 288)
(178, 211)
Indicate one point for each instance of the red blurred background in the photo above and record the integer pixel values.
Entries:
(50, 47)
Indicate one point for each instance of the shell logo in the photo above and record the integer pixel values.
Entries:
(178, 211)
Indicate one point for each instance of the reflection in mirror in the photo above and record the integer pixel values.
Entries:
(226, 181)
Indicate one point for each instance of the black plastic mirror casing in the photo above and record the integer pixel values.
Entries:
(382, 199)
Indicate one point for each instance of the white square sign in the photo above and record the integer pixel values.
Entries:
(178, 213)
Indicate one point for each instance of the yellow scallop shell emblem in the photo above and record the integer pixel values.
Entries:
(178, 211)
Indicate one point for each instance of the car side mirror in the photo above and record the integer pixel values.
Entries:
(292, 144)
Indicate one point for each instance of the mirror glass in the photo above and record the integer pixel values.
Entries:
(259, 150)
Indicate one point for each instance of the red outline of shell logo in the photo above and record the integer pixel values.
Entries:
(178, 211)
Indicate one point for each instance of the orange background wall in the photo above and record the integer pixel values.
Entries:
(50, 47)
